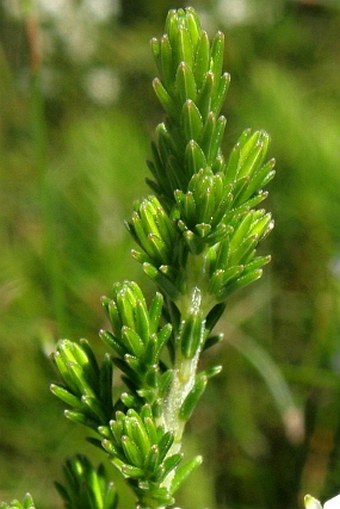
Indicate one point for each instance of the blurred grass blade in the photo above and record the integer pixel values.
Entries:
(291, 415)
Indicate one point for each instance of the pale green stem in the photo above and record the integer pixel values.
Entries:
(184, 371)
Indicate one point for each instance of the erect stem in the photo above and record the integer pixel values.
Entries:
(182, 383)
(184, 376)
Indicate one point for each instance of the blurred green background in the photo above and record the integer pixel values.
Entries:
(73, 146)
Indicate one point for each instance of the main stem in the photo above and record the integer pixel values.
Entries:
(193, 302)
(184, 373)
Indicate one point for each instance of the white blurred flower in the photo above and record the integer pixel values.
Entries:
(333, 503)
(243, 12)
(76, 24)
(55, 9)
(92, 9)
(76, 35)
(235, 12)
(313, 503)
(101, 9)
(102, 85)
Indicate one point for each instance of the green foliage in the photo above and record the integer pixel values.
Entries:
(87, 387)
(214, 198)
(198, 237)
(27, 503)
(86, 486)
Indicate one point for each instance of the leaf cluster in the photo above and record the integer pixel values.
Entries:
(139, 449)
(27, 503)
(85, 486)
(204, 203)
(132, 429)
